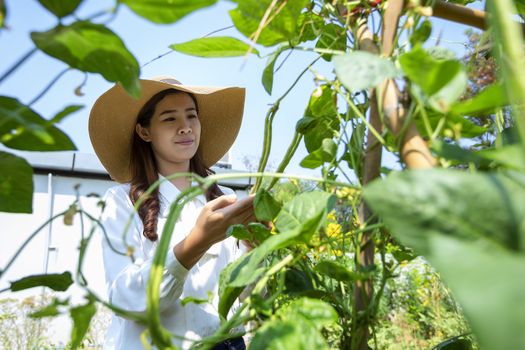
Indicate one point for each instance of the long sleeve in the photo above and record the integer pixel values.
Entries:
(126, 280)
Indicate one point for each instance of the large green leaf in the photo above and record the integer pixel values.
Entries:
(321, 118)
(56, 281)
(81, 316)
(317, 312)
(285, 335)
(266, 207)
(22, 128)
(441, 81)
(333, 37)
(283, 26)
(452, 202)
(326, 153)
(166, 11)
(485, 102)
(322, 102)
(16, 184)
(510, 156)
(92, 48)
(360, 70)
(471, 227)
(298, 220)
(246, 270)
(60, 8)
(298, 326)
(306, 211)
(218, 46)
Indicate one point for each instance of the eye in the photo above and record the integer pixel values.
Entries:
(192, 116)
(168, 119)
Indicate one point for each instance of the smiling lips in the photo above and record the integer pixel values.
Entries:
(185, 142)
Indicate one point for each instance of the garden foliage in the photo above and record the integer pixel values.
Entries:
(321, 277)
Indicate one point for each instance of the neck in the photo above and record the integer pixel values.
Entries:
(180, 182)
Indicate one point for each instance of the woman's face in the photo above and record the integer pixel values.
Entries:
(174, 133)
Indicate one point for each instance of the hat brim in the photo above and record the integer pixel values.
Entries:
(114, 115)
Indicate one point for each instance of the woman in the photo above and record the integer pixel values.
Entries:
(171, 128)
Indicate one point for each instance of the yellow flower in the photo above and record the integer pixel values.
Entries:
(333, 229)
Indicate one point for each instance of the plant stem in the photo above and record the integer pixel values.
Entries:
(267, 143)
(17, 64)
(292, 148)
(48, 87)
(512, 58)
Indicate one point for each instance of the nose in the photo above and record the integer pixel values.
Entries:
(185, 128)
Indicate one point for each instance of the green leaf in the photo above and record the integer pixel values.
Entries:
(323, 128)
(508, 136)
(322, 102)
(326, 153)
(360, 70)
(165, 11)
(16, 184)
(510, 156)
(259, 231)
(266, 207)
(354, 154)
(317, 312)
(485, 102)
(81, 317)
(297, 281)
(3, 14)
(338, 272)
(55, 281)
(60, 8)
(65, 113)
(283, 26)
(333, 37)
(451, 202)
(470, 227)
(442, 81)
(306, 211)
(310, 25)
(267, 77)
(218, 46)
(50, 310)
(298, 220)
(92, 48)
(246, 269)
(22, 128)
(422, 33)
(238, 231)
(281, 335)
(454, 152)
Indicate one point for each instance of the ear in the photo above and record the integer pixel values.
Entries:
(142, 132)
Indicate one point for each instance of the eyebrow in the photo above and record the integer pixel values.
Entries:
(176, 110)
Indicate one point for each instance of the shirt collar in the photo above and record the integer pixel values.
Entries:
(169, 193)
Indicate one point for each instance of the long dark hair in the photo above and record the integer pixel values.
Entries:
(144, 170)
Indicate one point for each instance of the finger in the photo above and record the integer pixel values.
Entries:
(239, 207)
(248, 218)
(221, 202)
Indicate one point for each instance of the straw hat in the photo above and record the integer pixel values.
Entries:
(114, 115)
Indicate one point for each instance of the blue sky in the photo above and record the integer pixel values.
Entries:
(147, 41)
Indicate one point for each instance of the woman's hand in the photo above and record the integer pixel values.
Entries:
(213, 221)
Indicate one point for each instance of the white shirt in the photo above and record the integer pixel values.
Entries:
(126, 281)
